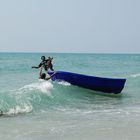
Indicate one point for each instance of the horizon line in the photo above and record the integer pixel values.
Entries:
(70, 52)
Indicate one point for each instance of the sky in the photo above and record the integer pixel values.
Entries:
(71, 26)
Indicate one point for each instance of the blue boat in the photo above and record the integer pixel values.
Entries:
(108, 85)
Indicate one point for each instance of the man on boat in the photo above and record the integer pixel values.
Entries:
(46, 63)
(43, 75)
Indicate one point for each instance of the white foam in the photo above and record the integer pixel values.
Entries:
(135, 75)
(18, 110)
(64, 83)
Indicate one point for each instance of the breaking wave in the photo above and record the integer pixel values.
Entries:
(25, 99)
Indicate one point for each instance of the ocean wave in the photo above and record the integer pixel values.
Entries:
(25, 99)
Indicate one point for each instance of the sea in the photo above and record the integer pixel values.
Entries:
(33, 109)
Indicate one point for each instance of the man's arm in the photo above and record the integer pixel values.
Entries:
(37, 67)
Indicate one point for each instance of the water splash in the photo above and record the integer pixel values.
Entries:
(64, 83)
(43, 86)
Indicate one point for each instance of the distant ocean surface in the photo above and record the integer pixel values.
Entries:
(46, 110)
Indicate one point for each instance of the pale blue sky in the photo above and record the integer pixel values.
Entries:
(95, 26)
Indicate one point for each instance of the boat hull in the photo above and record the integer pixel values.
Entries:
(108, 85)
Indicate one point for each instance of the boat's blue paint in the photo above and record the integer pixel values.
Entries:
(108, 85)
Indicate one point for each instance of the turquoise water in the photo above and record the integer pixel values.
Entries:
(35, 109)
